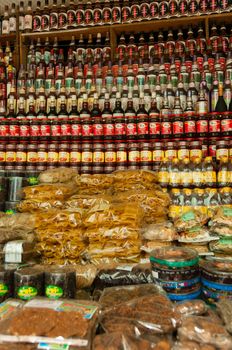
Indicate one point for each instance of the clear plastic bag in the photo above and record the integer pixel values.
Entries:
(94, 184)
(17, 226)
(189, 220)
(88, 202)
(192, 307)
(224, 308)
(204, 331)
(57, 175)
(161, 231)
(58, 219)
(33, 205)
(223, 246)
(49, 192)
(134, 179)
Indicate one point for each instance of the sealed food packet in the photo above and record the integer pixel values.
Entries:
(17, 252)
(190, 220)
(33, 205)
(67, 322)
(204, 331)
(191, 345)
(192, 307)
(221, 223)
(17, 226)
(222, 246)
(127, 180)
(164, 231)
(94, 184)
(49, 192)
(57, 175)
(93, 203)
(224, 308)
(62, 219)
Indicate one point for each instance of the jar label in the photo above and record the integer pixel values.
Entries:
(166, 128)
(98, 157)
(3, 289)
(86, 157)
(98, 129)
(53, 292)
(222, 152)
(134, 156)
(21, 157)
(143, 128)
(154, 128)
(109, 129)
(27, 293)
(121, 156)
(63, 157)
(146, 156)
(2, 156)
(226, 125)
(32, 157)
(171, 153)
(214, 126)
(10, 156)
(202, 126)
(178, 127)
(52, 157)
(42, 157)
(110, 157)
(75, 157)
(195, 153)
(131, 128)
(158, 155)
(189, 127)
(120, 129)
(183, 153)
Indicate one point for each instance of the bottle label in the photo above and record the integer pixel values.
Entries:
(126, 15)
(110, 157)
(65, 129)
(223, 4)
(189, 127)
(32, 157)
(143, 128)
(178, 127)
(62, 20)
(36, 24)
(183, 153)
(4, 130)
(163, 177)
(2, 156)
(12, 24)
(131, 128)
(213, 5)
(135, 12)
(54, 292)
(134, 156)
(193, 7)
(144, 11)
(42, 156)
(226, 125)
(3, 289)
(21, 23)
(116, 15)
(88, 17)
(158, 155)
(98, 129)
(154, 128)
(21, 157)
(28, 22)
(170, 154)
(27, 292)
(202, 126)
(52, 157)
(5, 26)
(45, 22)
(154, 9)
(45, 130)
(106, 15)
(24, 130)
(163, 9)
(63, 157)
(145, 156)
(195, 153)
(10, 156)
(76, 129)
(183, 7)
(80, 17)
(87, 130)
(55, 130)
(14, 130)
(75, 157)
(71, 18)
(222, 152)
(109, 129)
(173, 8)
(98, 157)
(120, 128)
(97, 16)
(174, 178)
(166, 128)
(214, 126)
(121, 156)
(53, 21)
(203, 5)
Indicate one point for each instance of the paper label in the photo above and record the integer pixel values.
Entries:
(13, 252)
(47, 346)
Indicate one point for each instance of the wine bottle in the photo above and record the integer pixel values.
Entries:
(221, 104)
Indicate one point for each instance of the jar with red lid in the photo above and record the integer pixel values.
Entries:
(53, 155)
(55, 130)
(24, 129)
(32, 154)
(145, 154)
(120, 129)
(178, 126)
(226, 123)
(86, 155)
(35, 126)
(10, 153)
(4, 129)
(212, 148)
(131, 128)
(166, 127)
(14, 129)
(158, 152)
(121, 155)
(109, 128)
(65, 129)
(76, 129)
(133, 154)
(64, 155)
(42, 153)
(214, 124)
(183, 150)
(21, 153)
(86, 129)
(2, 153)
(202, 125)
(195, 148)
(98, 158)
(45, 129)
(222, 149)
(110, 154)
(170, 150)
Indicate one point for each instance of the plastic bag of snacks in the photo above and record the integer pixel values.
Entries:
(225, 310)
(126, 180)
(58, 219)
(221, 223)
(32, 205)
(192, 307)
(94, 203)
(17, 226)
(94, 184)
(162, 231)
(223, 246)
(204, 331)
(57, 175)
(48, 192)
(190, 219)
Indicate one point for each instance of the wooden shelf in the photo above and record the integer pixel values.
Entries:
(8, 37)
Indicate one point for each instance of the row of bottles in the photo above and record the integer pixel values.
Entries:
(195, 173)
(70, 16)
(206, 200)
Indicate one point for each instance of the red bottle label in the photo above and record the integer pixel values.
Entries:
(212, 150)
(87, 130)
(4, 130)
(144, 11)
(55, 130)
(214, 126)
(24, 130)
(65, 130)
(131, 128)
(76, 129)
(97, 16)
(166, 128)
(98, 129)
(14, 130)
(35, 130)
(106, 15)
(202, 126)
(154, 128)
(135, 12)
(120, 129)
(178, 127)
(109, 129)
(143, 128)
(45, 130)
(189, 126)
(154, 9)
(226, 125)
(88, 17)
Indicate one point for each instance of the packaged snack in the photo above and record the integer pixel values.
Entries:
(49, 192)
(134, 179)
(189, 220)
(60, 282)
(224, 308)
(17, 252)
(33, 205)
(94, 184)
(223, 245)
(192, 307)
(17, 226)
(92, 203)
(57, 175)
(162, 231)
(28, 283)
(204, 331)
